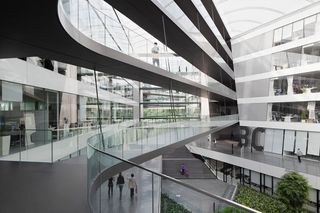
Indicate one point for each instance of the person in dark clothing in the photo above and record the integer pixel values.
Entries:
(110, 186)
(120, 183)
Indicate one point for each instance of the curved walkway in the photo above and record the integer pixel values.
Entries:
(23, 34)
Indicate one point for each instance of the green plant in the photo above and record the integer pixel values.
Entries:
(230, 209)
(170, 206)
(293, 191)
(303, 115)
(257, 200)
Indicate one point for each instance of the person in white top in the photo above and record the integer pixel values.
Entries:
(155, 54)
(299, 154)
(132, 185)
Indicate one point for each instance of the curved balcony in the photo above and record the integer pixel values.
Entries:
(99, 26)
(122, 151)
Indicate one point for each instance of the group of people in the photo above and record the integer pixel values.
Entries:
(132, 184)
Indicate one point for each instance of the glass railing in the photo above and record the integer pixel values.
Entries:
(49, 145)
(145, 137)
(150, 191)
(98, 25)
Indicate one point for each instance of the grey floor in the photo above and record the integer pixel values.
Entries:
(196, 169)
(143, 201)
(307, 166)
(43, 187)
(200, 177)
(194, 201)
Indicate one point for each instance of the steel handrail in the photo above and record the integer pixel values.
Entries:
(177, 181)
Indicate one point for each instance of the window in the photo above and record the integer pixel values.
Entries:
(309, 26)
(297, 30)
(277, 37)
(287, 34)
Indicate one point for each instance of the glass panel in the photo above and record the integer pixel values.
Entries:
(309, 26)
(311, 54)
(119, 186)
(112, 29)
(305, 112)
(297, 30)
(287, 34)
(277, 37)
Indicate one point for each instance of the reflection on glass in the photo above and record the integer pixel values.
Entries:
(298, 84)
(305, 112)
(298, 56)
(103, 24)
(300, 29)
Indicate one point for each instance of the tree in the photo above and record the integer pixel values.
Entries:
(293, 191)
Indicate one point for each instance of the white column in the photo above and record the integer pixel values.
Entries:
(290, 85)
(271, 90)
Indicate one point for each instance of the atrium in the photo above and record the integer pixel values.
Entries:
(160, 106)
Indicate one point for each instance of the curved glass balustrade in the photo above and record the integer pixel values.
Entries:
(100, 22)
(49, 145)
(106, 155)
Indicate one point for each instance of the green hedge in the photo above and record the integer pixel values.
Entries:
(170, 206)
(257, 200)
(230, 209)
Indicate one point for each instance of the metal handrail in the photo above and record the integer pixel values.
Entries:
(242, 207)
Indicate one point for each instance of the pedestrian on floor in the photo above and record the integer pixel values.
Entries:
(155, 54)
(110, 187)
(120, 183)
(299, 154)
(183, 169)
(132, 185)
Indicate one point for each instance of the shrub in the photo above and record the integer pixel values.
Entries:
(257, 200)
(230, 209)
(170, 206)
(293, 191)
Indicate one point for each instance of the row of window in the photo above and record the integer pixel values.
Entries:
(300, 29)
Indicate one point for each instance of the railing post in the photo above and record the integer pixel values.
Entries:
(51, 147)
(152, 193)
(231, 148)
(20, 145)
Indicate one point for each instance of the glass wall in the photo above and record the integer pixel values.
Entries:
(294, 31)
(31, 117)
(158, 103)
(298, 84)
(297, 30)
(109, 27)
(295, 57)
(305, 112)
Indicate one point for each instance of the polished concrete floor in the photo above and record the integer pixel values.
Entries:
(194, 201)
(43, 187)
(143, 201)
(199, 176)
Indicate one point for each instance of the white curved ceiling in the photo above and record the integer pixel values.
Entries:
(242, 15)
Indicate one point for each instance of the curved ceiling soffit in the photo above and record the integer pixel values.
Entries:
(254, 8)
(245, 20)
(216, 2)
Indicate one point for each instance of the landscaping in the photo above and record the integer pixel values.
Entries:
(257, 200)
(170, 206)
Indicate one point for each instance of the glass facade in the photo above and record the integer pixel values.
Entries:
(299, 56)
(162, 104)
(297, 84)
(305, 112)
(306, 27)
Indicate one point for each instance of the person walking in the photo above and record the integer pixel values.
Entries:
(120, 183)
(299, 154)
(155, 54)
(110, 186)
(132, 185)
